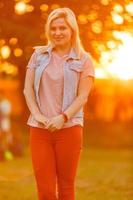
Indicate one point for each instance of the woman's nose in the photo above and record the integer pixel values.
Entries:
(57, 32)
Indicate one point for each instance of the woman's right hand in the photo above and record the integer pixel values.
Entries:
(40, 118)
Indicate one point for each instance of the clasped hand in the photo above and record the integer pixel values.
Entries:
(52, 124)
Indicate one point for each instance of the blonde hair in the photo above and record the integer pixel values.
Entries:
(70, 18)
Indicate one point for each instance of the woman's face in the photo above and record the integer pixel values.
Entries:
(60, 32)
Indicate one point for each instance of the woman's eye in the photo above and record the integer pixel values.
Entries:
(62, 28)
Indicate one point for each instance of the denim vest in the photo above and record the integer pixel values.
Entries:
(72, 68)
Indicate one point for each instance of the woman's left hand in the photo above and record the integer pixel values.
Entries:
(55, 123)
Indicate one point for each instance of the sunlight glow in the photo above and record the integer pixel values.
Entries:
(111, 44)
(119, 61)
(100, 73)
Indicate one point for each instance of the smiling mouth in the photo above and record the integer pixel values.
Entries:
(58, 38)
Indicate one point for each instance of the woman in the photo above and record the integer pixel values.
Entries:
(58, 80)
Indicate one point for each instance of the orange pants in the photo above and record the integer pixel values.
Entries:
(55, 157)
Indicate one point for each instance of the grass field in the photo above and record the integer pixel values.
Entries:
(102, 175)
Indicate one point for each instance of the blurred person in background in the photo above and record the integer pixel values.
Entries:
(6, 137)
(58, 80)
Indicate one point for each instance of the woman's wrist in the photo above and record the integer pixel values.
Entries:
(65, 117)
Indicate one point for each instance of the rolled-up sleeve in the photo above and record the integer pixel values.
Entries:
(32, 63)
(88, 68)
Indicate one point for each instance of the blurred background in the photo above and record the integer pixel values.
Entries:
(106, 31)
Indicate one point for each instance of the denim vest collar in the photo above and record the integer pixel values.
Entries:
(48, 49)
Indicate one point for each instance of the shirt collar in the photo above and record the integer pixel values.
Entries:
(73, 54)
(48, 49)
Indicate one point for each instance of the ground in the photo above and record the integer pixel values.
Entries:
(103, 174)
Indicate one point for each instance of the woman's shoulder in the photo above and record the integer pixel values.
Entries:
(86, 56)
(36, 55)
(40, 49)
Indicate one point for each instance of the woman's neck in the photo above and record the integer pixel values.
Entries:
(62, 50)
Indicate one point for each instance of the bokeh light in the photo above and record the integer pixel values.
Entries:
(105, 2)
(54, 6)
(128, 18)
(100, 47)
(20, 8)
(5, 51)
(2, 42)
(129, 8)
(29, 8)
(44, 7)
(118, 19)
(82, 19)
(118, 8)
(97, 26)
(93, 15)
(111, 44)
(18, 52)
(8, 69)
(13, 41)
